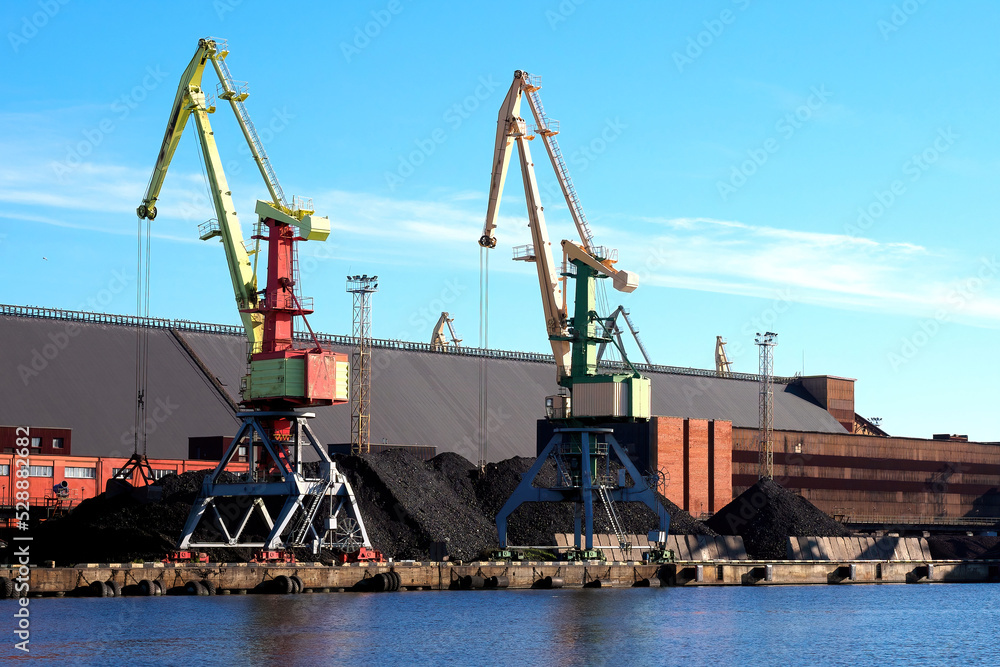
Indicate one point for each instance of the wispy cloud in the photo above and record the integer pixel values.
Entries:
(826, 269)
(695, 253)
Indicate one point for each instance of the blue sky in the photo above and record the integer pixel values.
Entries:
(827, 171)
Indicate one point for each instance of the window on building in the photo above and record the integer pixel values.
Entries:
(40, 471)
(36, 442)
(81, 473)
(4, 470)
(115, 471)
(160, 474)
(241, 453)
(57, 443)
(798, 448)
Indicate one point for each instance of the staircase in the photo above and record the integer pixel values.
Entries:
(615, 520)
(236, 93)
(309, 509)
(549, 129)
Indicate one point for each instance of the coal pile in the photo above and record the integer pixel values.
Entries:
(766, 514)
(407, 503)
(535, 524)
(116, 529)
(963, 547)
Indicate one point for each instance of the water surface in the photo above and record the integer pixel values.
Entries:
(798, 625)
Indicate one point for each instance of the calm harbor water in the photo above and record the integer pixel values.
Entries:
(798, 625)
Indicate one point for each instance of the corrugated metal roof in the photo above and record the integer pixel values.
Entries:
(87, 383)
(705, 397)
(418, 397)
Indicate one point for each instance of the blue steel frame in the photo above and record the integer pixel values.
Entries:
(582, 493)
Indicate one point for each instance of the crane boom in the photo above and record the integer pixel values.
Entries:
(191, 99)
(510, 129)
(561, 331)
(509, 126)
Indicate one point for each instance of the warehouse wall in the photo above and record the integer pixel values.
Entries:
(882, 476)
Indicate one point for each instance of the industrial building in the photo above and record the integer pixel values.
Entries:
(75, 372)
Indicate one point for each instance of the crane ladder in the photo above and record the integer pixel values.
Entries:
(615, 520)
(548, 129)
(231, 92)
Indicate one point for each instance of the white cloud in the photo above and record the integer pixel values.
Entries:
(724, 256)
(831, 270)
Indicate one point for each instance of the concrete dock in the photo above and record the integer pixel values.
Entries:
(240, 578)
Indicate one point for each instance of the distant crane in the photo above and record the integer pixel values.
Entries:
(723, 366)
(438, 339)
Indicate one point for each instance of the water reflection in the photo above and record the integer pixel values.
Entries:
(931, 624)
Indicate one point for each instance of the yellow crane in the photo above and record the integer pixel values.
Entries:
(192, 100)
(285, 374)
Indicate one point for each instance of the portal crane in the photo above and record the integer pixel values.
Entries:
(284, 375)
(581, 443)
(573, 364)
(438, 340)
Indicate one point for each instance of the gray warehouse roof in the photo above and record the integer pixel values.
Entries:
(419, 396)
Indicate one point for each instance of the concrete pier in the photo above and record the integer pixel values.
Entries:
(253, 577)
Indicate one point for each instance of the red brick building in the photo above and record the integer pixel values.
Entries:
(41, 440)
(695, 458)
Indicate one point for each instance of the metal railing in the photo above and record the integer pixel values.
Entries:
(108, 319)
(209, 229)
(524, 253)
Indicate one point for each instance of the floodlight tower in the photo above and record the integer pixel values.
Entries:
(362, 287)
(765, 436)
